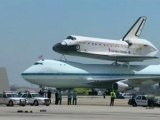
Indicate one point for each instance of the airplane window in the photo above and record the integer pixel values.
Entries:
(71, 38)
(38, 63)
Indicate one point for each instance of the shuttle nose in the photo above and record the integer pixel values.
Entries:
(64, 48)
(58, 47)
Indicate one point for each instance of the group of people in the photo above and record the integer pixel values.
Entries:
(45, 93)
(72, 98)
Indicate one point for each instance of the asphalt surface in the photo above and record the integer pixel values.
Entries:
(90, 108)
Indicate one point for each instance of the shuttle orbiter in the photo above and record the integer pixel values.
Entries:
(130, 48)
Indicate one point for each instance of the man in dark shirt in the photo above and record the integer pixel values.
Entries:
(56, 98)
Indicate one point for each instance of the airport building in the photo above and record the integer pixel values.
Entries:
(4, 83)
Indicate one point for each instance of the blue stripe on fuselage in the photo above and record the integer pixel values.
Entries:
(88, 74)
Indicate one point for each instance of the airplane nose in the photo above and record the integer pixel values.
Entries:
(64, 48)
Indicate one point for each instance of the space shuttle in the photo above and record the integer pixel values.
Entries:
(131, 48)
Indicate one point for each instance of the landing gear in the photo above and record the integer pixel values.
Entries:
(123, 64)
(63, 56)
(115, 63)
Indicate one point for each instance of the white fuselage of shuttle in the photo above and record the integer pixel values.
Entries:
(130, 48)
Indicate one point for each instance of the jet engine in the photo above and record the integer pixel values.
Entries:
(120, 86)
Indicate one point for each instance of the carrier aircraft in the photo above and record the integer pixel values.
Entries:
(130, 48)
(66, 74)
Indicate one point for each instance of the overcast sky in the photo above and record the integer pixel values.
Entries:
(29, 28)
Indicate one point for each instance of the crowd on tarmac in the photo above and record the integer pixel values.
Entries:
(72, 97)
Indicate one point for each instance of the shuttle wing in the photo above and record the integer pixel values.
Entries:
(125, 58)
(118, 57)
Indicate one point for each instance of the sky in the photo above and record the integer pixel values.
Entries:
(30, 28)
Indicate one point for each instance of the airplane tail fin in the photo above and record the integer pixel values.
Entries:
(136, 29)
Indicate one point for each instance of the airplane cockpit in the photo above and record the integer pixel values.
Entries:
(70, 38)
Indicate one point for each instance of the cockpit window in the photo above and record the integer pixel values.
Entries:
(38, 63)
(71, 38)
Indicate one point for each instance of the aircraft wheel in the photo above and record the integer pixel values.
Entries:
(78, 47)
(134, 104)
(36, 103)
(10, 103)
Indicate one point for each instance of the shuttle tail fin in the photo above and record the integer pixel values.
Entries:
(136, 29)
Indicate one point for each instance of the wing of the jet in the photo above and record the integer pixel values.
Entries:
(136, 29)
(129, 82)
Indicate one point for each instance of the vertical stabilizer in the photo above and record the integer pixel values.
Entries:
(136, 29)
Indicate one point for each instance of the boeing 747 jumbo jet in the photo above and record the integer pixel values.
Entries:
(65, 74)
(130, 48)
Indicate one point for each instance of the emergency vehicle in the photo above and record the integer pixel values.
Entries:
(143, 100)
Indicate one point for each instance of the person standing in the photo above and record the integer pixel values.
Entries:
(41, 93)
(56, 97)
(104, 94)
(49, 94)
(113, 96)
(74, 98)
(69, 97)
(59, 97)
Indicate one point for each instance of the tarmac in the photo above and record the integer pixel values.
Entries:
(96, 109)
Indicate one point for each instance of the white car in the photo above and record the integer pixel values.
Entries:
(127, 95)
(143, 100)
(11, 99)
(33, 98)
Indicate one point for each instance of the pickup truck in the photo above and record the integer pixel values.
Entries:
(10, 98)
(143, 100)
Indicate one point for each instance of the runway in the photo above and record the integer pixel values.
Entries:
(79, 112)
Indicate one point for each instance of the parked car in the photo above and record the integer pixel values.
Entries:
(124, 95)
(157, 102)
(11, 98)
(143, 100)
(127, 95)
(33, 98)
